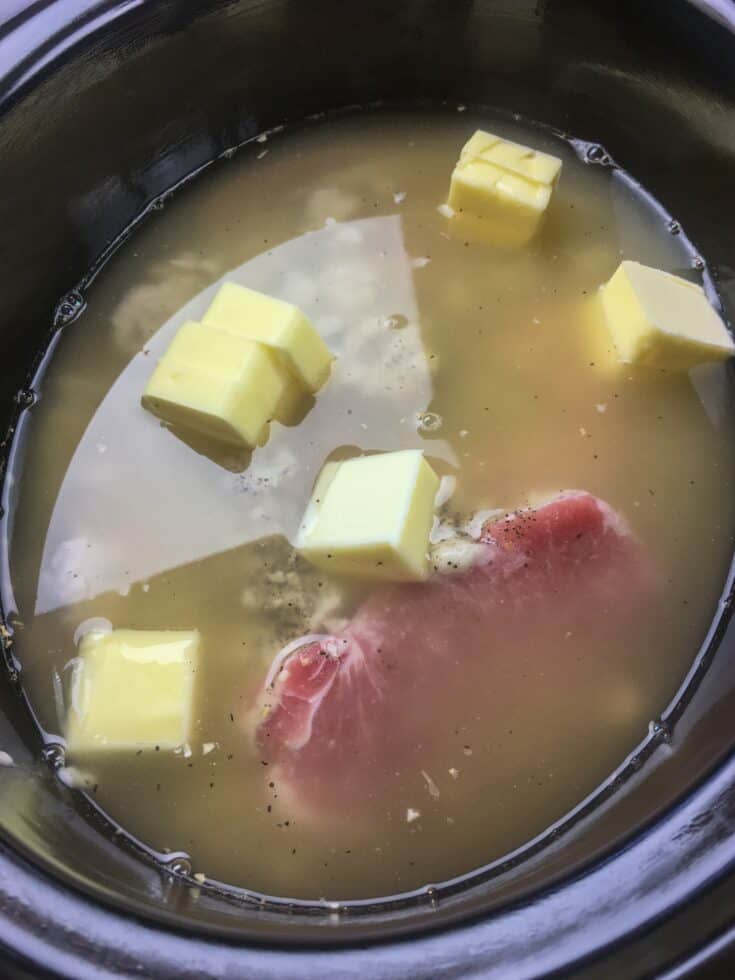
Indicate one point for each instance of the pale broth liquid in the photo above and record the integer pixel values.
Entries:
(495, 361)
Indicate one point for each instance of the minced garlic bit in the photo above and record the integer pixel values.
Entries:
(412, 815)
(430, 785)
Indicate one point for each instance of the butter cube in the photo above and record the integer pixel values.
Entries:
(661, 320)
(132, 689)
(501, 189)
(281, 326)
(220, 385)
(371, 516)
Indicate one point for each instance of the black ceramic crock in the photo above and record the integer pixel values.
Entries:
(105, 106)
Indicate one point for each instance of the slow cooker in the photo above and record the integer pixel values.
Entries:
(108, 106)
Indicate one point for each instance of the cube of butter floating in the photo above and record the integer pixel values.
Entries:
(280, 326)
(371, 516)
(132, 689)
(502, 187)
(218, 384)
(661, 320)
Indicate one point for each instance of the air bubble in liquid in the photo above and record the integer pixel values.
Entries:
(432, 894)
(396, 321)
(660, 730)
(54, 755)
(598, 154)
(698, 263)
(429, 422)
(179, 864)
(674, 227)
(25, 397)
(69, 308)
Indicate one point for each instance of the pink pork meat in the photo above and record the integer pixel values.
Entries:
(340, 715)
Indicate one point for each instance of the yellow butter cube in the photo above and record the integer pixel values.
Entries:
(661, 320)
(132, 689)
(500, 190)
(371, 516)
(220, 385)
(281, 326)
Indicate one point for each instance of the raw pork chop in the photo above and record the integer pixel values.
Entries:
(339, 715)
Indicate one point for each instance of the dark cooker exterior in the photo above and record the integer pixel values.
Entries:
(78, 125)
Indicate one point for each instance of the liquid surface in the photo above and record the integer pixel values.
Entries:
(495, 362)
